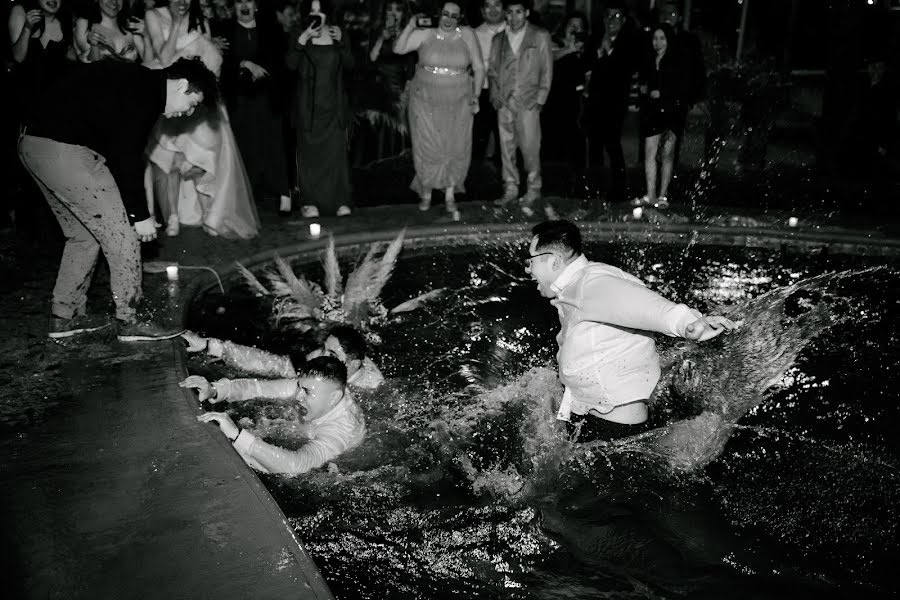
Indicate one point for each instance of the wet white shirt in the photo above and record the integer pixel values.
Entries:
(329, 436)
(607, 356)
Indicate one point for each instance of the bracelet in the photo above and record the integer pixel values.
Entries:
(234, 439)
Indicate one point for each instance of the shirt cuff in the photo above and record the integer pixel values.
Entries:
(215, 347)
(686, 316)
(243, 441)
(223, 389)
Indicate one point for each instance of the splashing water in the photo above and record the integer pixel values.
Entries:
(466, 485)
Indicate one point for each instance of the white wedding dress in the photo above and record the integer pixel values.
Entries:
(221, 199)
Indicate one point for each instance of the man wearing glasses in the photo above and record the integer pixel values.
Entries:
(607, 357)
(520, 71)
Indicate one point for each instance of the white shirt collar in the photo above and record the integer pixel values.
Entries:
(248, 24)
(568, 274)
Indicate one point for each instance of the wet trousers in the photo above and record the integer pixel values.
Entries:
(520, 129)
(85, 199)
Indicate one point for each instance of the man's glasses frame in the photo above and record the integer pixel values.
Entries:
(528, 260)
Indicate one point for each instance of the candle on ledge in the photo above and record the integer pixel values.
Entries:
(792, 222)
(172, 272)
(637, 213)
(315, 230)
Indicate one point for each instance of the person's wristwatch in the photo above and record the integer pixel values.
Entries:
(234, 439)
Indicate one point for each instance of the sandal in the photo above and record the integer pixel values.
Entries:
(662, 203)
(642, 201)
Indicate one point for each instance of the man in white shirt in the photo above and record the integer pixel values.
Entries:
(520, 72)
(332, 425)
(486, 118)
(343, 342)
(607, 357)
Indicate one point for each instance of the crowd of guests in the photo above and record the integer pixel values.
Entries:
(296, 75)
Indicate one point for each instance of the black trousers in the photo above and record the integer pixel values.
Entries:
(589, 428)
(606, 135)
(485, 122)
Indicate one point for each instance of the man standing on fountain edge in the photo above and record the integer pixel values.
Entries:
(84, 146)
(607, 357)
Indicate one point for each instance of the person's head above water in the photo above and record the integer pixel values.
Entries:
(554, 244)
(346, 344)
(320, 385)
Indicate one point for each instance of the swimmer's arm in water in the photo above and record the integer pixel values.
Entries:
(238, 390)
(327, 445)
(247, 358)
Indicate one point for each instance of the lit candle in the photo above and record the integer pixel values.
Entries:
(792, 222)
(172, 272)
(637, 213)
(315, 230)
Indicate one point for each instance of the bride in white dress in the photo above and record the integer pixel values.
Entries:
(205, 180)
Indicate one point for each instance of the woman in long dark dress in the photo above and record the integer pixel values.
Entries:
(322, 114)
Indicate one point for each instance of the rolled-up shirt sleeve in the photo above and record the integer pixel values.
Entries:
(328, 444)
(616, 301)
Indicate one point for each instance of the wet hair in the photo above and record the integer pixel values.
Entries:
(351, 340)
(526, 4)
(328, 368)
(558, 235)
(199, 78)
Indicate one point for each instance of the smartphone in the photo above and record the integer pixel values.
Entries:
(316, 20)
(424, 22)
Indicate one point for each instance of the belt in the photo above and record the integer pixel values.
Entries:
(444, 70)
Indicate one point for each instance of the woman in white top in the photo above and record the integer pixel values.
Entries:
(206, 183)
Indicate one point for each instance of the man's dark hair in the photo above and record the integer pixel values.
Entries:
(199, 78)
(325, 367)
(526, 4)
(351, 340)
(558, 235)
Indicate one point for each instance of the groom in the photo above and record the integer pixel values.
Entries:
(84, 147)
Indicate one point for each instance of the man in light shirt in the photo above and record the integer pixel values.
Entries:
(343, 342)
(332, 425)
(486, 118)
(607, 357)
(520, 71)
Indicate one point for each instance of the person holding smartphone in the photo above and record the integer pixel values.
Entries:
(319, 57)
(443, 100)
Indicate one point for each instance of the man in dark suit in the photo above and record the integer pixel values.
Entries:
(612, 66)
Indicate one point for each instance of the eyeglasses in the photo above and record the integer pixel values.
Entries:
(528, 260)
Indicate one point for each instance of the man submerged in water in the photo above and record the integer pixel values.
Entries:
(343, 342)
(607, 357)
(332, 425)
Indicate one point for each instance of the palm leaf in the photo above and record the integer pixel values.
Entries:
(333, 279)
(251, 279)
(359, 282)
(416, 302)
(387, 264)
(300, 289)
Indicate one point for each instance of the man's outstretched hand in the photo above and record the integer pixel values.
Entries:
(225, 423)
(205, 390)
(195, 343)
(706, 328)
